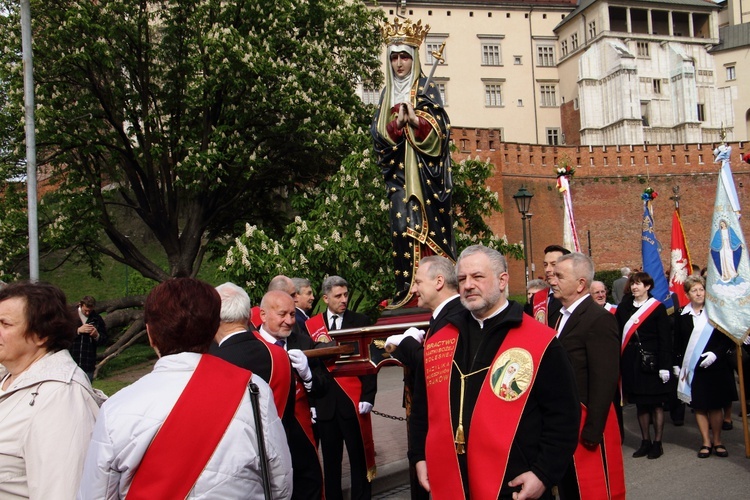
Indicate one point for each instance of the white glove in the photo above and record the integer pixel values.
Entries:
(299, 363)
(415, 333)
(364, 407)
(313, 414)
(395, 340)
(676, 371)
(664, 375)
(709, 359)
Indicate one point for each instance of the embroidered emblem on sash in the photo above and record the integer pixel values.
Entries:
(541, 316)
(511, 373)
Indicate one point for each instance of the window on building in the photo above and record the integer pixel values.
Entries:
(644, 114)
(517, 60)
(441, 88)
(464, 144)
(548, 97)
(592, 29)
(545, 55)
(553, 136)
(642, 48)
(656, 83)
(493, 94)
(574, 41)
(434, 46)
(731, 73)
(701, 112)
(491, 54)
(575, 103)
(520, 103)
(370, 96)
(564, 48)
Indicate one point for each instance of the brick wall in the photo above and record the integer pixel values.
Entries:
(606, 191)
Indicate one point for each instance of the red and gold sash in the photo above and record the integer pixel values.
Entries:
(302, 410)
(636, 319)
(316, 327)
(496, 414)
(213, 394)
(352, 387)
(601, 477)
(540, 303)
(281, 374)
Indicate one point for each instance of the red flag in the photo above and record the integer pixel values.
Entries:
(680, 265)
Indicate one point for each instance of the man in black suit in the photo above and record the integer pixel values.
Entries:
(266, 354)
(590, 336)
(344, 417)
(304, 299)
(537, 308)
(436, 288)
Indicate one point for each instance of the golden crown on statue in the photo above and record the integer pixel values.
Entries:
(404, 32)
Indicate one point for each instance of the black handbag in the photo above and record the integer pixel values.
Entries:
(649, 360)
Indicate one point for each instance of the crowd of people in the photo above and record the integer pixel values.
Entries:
(526, 398)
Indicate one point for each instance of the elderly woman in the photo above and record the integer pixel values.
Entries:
(47, 406)
(706, 355)
(646, 360)
(187, 429)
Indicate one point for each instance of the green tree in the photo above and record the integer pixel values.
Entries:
(344, 231)
(189, 116)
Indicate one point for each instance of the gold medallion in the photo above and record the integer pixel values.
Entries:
(511, 374)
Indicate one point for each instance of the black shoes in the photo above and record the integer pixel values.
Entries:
(643, 450)
(727, 426)
(656, 450)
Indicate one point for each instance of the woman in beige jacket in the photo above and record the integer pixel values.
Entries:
(47, 406)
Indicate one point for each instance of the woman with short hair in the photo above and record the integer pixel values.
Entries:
(47, 405)
(707, 360)
(187, 429)
(646, 360)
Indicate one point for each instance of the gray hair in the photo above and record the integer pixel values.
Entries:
(539, 284)
(235, 303)
(693, 280)
(625, 271)
(300, 283)
(437, 265)
(331, 282)
(497, 260)
(583, 266)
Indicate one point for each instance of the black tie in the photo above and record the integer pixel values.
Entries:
(333, 321)
(280, 343)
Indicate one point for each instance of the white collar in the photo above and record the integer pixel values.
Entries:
(231, 335)
(442, 304)
(569, 310)
(482, 321)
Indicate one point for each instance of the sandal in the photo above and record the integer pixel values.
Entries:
(704, 452)
(721, 451)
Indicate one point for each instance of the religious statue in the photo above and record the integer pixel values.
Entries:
(411, 132)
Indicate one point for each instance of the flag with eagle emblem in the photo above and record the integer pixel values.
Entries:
(680, 264)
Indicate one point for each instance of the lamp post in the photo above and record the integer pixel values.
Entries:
(532, 269)
(523, 203)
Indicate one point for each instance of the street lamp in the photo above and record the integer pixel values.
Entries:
(531, 248)
(523, 203)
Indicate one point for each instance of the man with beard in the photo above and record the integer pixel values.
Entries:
(500, 390)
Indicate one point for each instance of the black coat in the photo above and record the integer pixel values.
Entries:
(547, 432)
(713, 387)
(591, 339)
(411, 353)
(83, 349)
(655, 336)
(335, 401)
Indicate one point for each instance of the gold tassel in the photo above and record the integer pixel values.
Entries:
(371, 473)
(460, 448)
